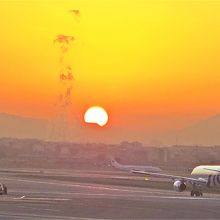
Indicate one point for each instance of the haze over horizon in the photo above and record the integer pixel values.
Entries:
(152, 64)
(202, 133)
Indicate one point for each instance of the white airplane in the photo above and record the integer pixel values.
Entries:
(115, 164)
(201, 177)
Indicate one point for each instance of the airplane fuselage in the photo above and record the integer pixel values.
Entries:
(209, 172)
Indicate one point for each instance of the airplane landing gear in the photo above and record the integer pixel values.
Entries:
(3, 189)
(196, 191)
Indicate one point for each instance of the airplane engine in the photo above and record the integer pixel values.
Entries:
(179, 186)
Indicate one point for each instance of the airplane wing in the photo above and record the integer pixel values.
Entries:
(198, 181)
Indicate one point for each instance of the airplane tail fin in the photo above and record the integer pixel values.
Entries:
(114, 163)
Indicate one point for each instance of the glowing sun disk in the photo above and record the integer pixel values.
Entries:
(96, 115)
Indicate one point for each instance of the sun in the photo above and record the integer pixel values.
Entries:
(96, 115)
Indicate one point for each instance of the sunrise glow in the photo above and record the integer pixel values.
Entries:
(154, 64)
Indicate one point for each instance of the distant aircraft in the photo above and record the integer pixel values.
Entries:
(202, 176)
(115, 164)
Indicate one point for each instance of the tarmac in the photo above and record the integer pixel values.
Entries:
(33, 196)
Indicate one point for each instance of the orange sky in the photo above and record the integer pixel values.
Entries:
(149, 63)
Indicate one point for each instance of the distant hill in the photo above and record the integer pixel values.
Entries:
(25, 127)
(22, 127)
(206, 132)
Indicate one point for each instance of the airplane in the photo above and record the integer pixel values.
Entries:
(203, 176)
(117, 165)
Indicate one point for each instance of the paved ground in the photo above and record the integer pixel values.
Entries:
(31, 197)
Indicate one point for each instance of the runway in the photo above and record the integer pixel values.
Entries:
(36, 197)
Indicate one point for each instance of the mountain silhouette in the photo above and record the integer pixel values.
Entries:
(205, 132)
(22, 127)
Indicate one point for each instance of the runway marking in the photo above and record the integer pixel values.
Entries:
(140, 197)
(82, 185)
(147, 196)
(43, 198)
(53, 210)
(183, 198)
(47, 199)
(114, 189)
(39, 216)
(22, 197)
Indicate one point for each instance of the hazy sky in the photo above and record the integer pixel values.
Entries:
(153, 65)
